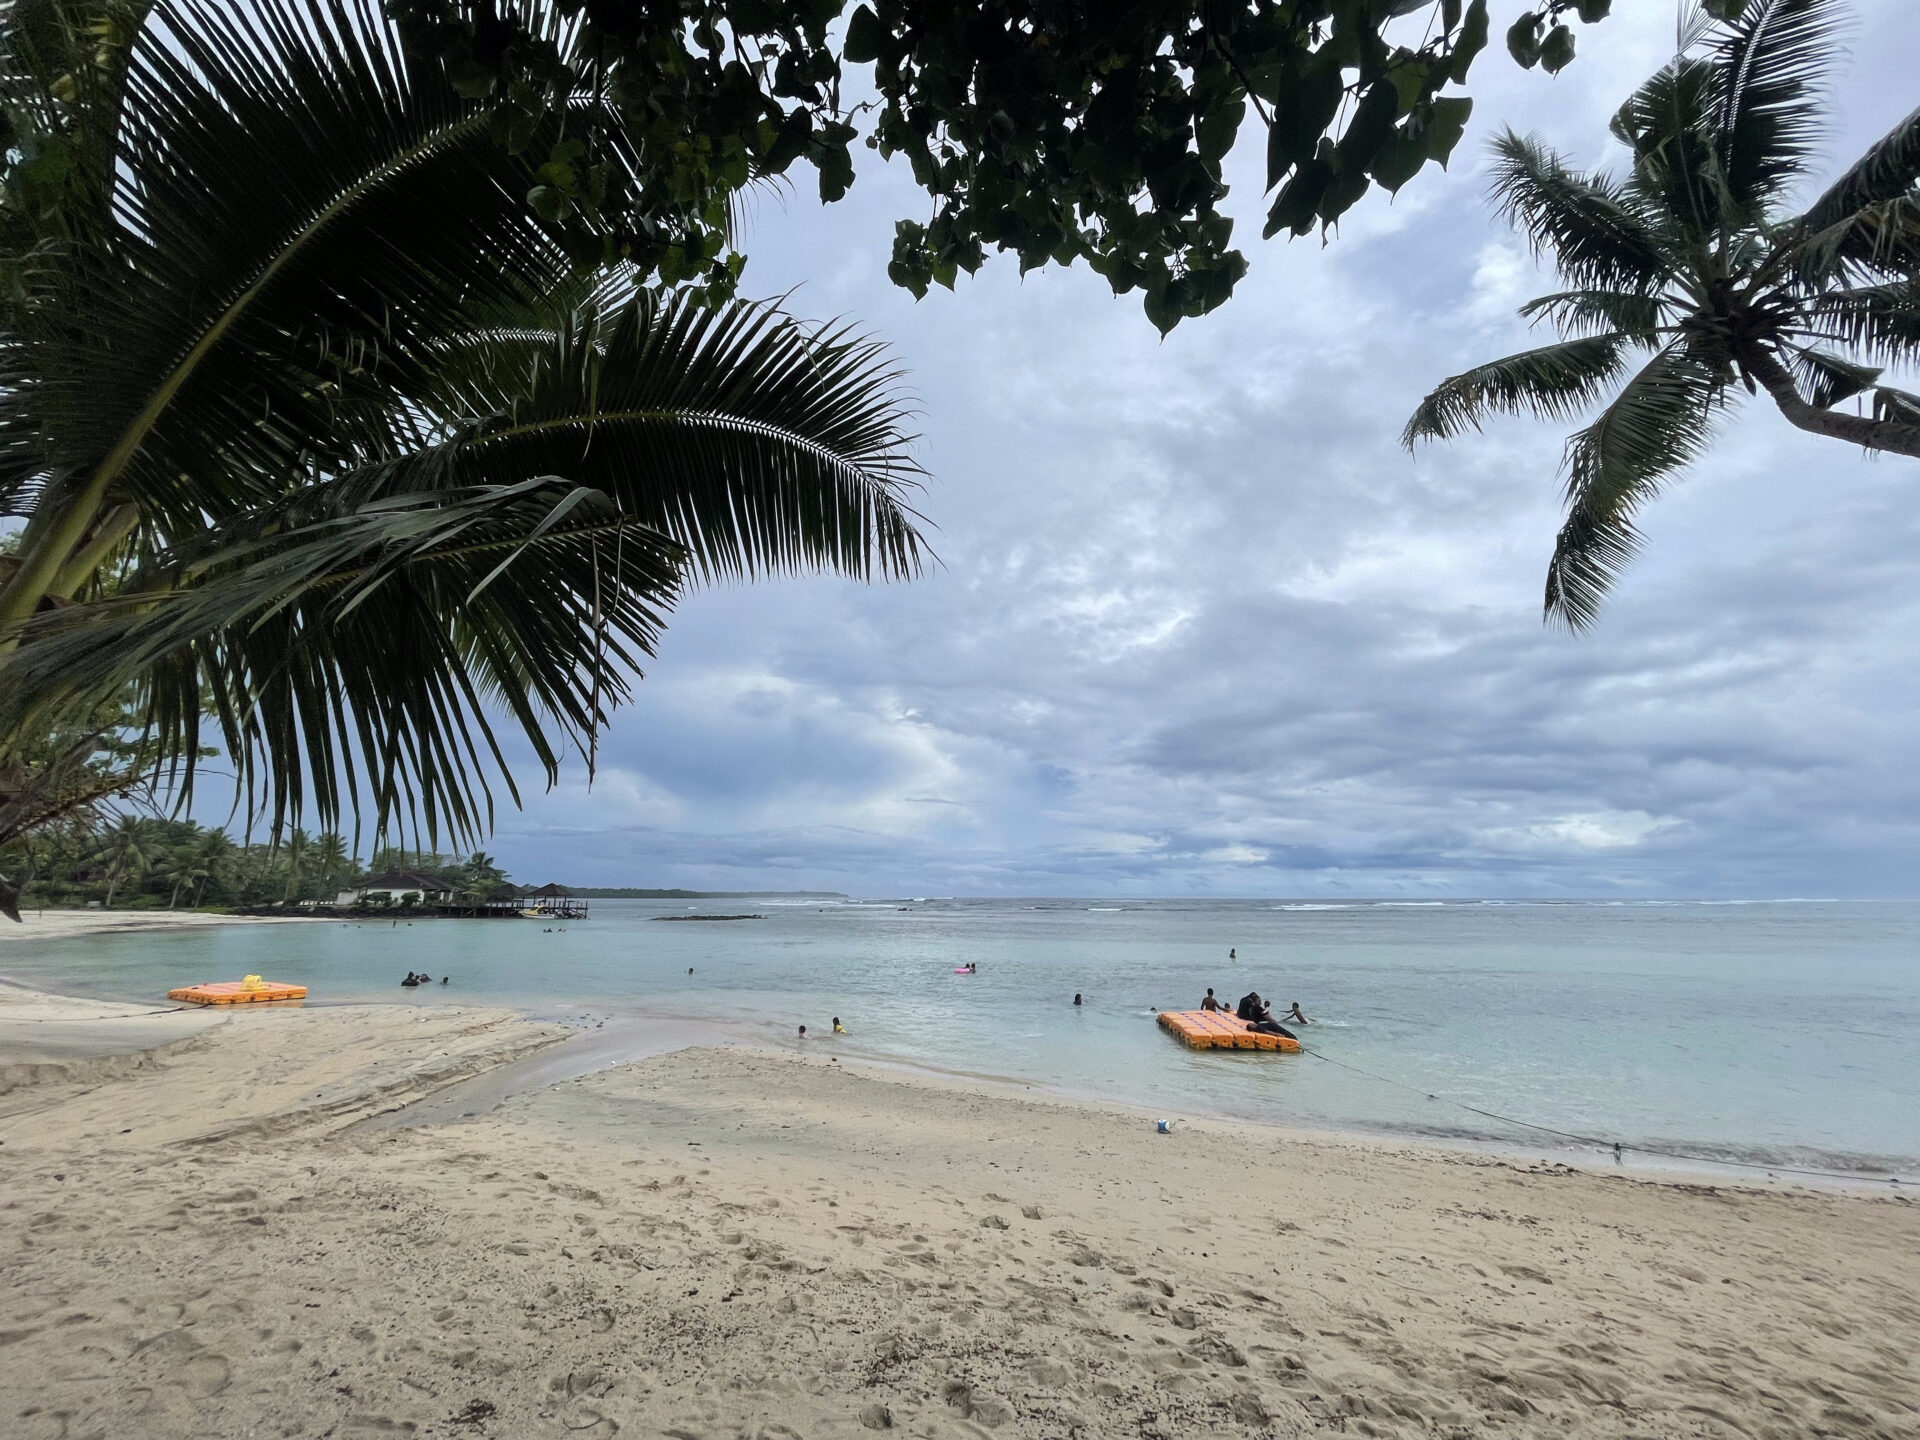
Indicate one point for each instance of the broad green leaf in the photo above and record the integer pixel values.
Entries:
(1450, 115)
(1473, 39)
(1556, 53)
(864, 36)
(1523, 40)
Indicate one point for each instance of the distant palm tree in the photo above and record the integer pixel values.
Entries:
(1690, 261)
(483, 874)
(296, 855)
(330, 862)
(182, 868)
(312, 420)
(126, 850)
(217, 859)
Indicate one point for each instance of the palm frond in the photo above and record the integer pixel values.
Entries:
(1586, 223)
(351, 648)
(1657, 424)
(1668, 124)
(388, 467)
(304, 215)
(1880, 322)
(1555, 382)
(1771, 66)
(1899, 406)
(760, 445)
(1876, 243)
(1631, 313)
(1889, 170)
(1826, 379)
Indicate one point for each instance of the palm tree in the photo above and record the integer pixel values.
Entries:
(331, 862)
(125, 850)
(313, 422)
(1692, 260)
(183, 868)
(483, 874)
(296, 855)
(216, 860)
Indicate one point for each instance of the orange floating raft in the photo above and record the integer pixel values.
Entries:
(249, 991)
(1221, 1030)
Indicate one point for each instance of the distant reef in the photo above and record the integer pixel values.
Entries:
(589, 893)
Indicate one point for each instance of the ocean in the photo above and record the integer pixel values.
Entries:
(1775, 1034)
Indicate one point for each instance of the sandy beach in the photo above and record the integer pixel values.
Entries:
(72, 924)
(730, 1242)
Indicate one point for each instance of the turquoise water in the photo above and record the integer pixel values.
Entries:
(1781, 1033)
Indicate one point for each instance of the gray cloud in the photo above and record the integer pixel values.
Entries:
(1203, 627)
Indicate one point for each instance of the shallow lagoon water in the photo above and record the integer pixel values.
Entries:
(1779, 1033)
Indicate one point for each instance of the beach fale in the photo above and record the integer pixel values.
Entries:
(248, 991)
(1221, 1030)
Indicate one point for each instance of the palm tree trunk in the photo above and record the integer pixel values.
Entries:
(1892, 436)
(113, 883)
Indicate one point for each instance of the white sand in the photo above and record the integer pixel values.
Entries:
(65, 924)
(731, 1243)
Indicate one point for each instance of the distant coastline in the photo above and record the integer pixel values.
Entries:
(588, 892)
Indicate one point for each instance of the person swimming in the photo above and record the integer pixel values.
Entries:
(838, 1028)
(1076, 997)
(803, 1032)
(1210, 1003)
(1295, 1015)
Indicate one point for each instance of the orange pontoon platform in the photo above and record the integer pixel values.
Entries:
(1220, 1030)
(250, 991)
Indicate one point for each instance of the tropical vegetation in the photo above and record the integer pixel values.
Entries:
(1695, 262)
(132, 861)
(1055, 129)
(325, 449)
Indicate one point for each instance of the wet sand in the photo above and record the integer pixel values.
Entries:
(732, 1242)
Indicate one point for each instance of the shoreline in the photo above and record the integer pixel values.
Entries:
(52, 925)
(694, 1031)
(716, 1241)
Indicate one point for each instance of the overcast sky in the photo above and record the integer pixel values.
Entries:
(1201, 627)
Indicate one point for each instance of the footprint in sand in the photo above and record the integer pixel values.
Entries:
(204, 1376)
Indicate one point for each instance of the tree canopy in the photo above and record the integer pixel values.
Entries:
(1058, 130)
(316, 431)
(1695, 262)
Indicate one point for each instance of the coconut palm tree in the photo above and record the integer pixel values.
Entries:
(1694, 262)
(126, 850)
(182, 868)
(296, 856)
(313, 422)
(331, 863)
(216, 859)
(483, 875)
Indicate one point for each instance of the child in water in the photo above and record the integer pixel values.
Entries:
(838, 1028)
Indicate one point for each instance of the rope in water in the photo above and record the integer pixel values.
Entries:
(1617, 1146)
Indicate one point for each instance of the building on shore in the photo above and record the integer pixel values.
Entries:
(399, 887)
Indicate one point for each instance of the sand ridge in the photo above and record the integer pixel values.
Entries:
(724, 1243)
